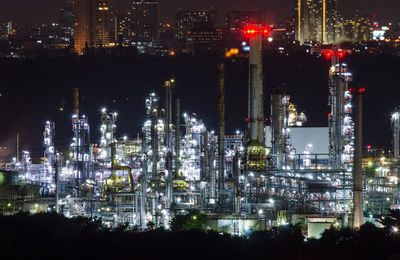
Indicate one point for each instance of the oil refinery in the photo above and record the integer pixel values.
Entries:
(273, 173)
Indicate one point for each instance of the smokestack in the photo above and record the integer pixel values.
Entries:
(177, 136)
(76, 102)
(357, 168)
(169, 84)
(253, 103)
(256, 93)
(221, 126)
(17, 157)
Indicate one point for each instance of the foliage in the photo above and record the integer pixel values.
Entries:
(193, 220)
(391, 221)
(51, 236)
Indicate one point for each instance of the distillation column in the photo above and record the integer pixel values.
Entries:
(339, 79)
(279, 125)
(81, 147)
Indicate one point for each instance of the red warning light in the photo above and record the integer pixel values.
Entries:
(329, 114)
(328, 54)
(369, 146)
(357, 90)
(252, 30)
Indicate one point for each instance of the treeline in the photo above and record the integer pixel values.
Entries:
(50, 236)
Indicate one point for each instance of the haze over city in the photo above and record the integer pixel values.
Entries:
(278, 10)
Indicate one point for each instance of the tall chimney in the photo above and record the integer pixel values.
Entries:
(256, 93)
(221, 126)
(357, 168)
(76, 102)
(177, 136)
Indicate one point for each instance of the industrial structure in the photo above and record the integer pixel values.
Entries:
(262, 177)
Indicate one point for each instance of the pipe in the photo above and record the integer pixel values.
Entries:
(236, 176)
(143, 185)
(357, 169)
(57, 186)
(212, 172)
(221, 127)
(154, 145)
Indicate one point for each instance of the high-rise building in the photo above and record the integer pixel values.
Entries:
(204, 40)
(236, 20)
(91, 24)
(9, 27)
(357, 29)
(67, 22)
(316, 21)
(144, 22)
(186, 20)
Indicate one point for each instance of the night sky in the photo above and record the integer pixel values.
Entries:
(47, 10)
(33, 91)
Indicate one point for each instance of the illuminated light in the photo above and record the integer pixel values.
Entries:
(328, 54)
(329, 115)
(250, 30)
(231, 52)
(341, 54)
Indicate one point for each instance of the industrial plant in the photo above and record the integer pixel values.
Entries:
(275, 172)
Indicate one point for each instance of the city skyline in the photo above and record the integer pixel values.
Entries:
(47, 10)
